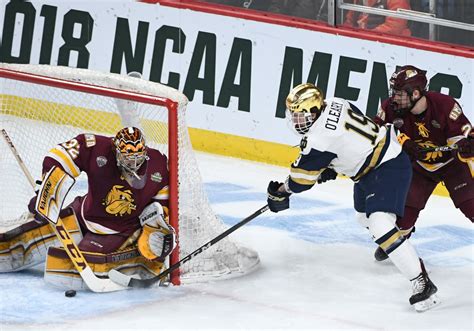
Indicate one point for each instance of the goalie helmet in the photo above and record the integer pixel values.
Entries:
(130, 148)
(304, 104)
(402, 84)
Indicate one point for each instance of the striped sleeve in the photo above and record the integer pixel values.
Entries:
(306, 169)
(61, 156)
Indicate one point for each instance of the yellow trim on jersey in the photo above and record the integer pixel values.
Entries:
(433, 167)
(304, 177)
(303, 181)
(469, 162)
(71, 167)
(163, 194)
(309, 173)
(374, 160)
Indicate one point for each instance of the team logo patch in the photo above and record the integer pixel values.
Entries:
(119, 201)
(398, 123)
(435, 124)
(411, 73)
(90, 140)
(303, 143)
(156, 177)
(101, 161)
(455, 112)
(422, 130)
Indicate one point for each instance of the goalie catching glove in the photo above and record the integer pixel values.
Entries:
(158, 238)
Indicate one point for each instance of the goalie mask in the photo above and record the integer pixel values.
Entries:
(130, 148)
(402, 85)
(304, 105)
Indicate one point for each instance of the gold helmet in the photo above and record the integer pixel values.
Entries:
(130, 148)
(304, 103)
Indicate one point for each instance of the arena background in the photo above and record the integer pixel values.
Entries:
(235, 67)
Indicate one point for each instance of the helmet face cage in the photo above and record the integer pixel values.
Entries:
(130, 148)
(304, 105)
(402, 84)
(301, 121)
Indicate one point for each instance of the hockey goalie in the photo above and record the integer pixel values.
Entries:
(120, 223)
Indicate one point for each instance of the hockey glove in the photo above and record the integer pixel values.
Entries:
(466, 147)
(277, 200)
(158, 238)
(327, 174)
(411, 148)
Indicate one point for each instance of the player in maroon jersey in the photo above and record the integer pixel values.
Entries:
(429, 120)
(124, 209)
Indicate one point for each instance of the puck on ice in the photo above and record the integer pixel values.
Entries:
(70, 293)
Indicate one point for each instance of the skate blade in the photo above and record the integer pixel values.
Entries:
(429, 303)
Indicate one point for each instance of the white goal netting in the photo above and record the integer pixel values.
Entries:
(37, 117)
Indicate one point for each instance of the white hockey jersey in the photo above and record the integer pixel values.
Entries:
(343, 139)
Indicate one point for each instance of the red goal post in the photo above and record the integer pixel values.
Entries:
(41, 88)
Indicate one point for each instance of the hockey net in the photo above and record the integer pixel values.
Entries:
(41, 106)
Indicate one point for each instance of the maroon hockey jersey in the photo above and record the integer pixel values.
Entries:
(112, 203)
(441, 124)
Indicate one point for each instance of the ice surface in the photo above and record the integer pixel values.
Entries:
(317, 271)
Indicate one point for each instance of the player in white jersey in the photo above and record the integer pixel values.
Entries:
(338, 138)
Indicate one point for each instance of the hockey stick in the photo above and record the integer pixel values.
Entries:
(94, 283)
(445, 148)
(127, 280)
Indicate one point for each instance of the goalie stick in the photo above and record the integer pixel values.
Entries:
(94, 283)
(130, 281)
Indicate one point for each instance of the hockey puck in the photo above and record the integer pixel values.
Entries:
(70, 293)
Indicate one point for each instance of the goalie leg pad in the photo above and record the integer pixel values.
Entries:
(61, 273)
(391, 240)
(26, 245)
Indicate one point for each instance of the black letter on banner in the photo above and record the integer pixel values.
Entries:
(49, 14)
(241, 53)
(12, 9)
(346, 66)
(205, 46)
(162, 35)
(76, 44)
(123, 47)
(438, 81)
(291, 75)
(319, 72)
(378, 88)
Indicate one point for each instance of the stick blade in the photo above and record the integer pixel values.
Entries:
(120, 278)
(100, 285)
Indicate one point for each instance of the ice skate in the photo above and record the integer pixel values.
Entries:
(424, 292)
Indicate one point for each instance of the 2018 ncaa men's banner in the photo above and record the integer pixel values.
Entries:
(235, 72)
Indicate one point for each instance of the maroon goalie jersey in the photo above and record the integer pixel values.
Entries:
(112, 203)
(442, 123)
